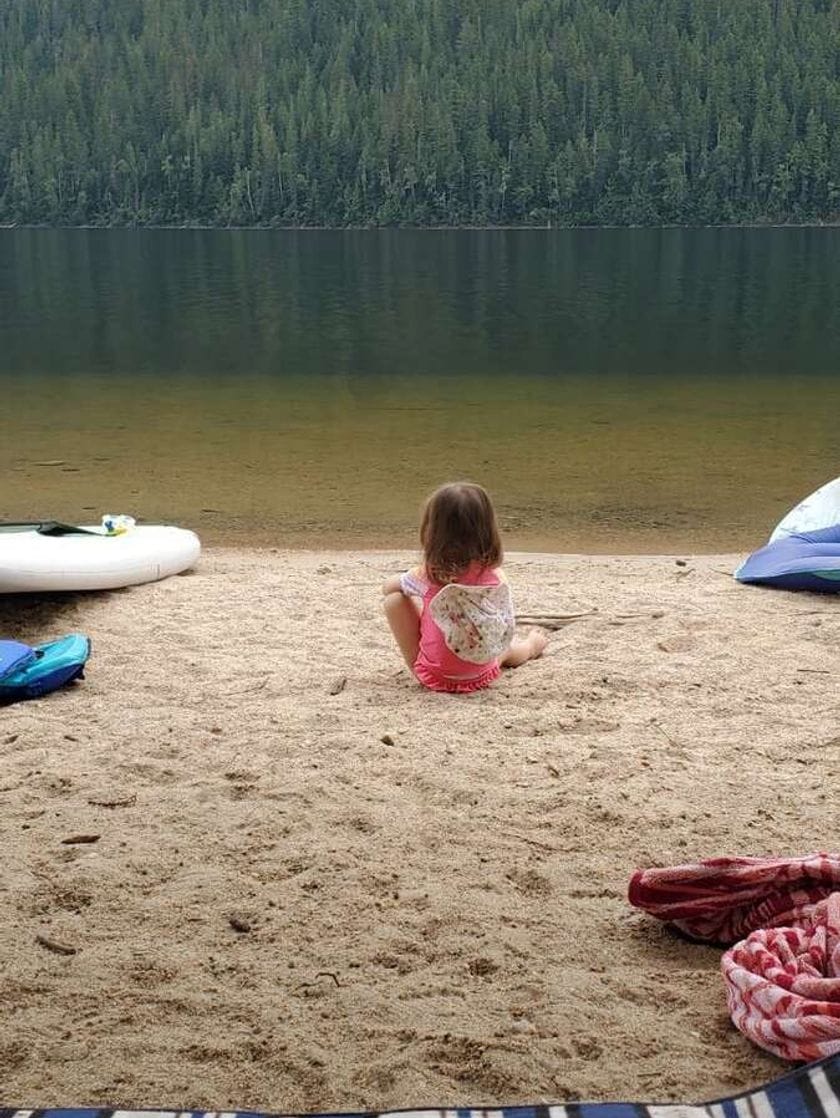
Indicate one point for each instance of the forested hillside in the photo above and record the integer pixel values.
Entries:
(335, 112)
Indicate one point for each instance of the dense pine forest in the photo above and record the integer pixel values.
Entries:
(357, 112)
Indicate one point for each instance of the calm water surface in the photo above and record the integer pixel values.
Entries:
(617, 390)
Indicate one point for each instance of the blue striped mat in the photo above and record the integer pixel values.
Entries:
(812, 1091)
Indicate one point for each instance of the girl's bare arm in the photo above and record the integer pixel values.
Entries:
(392, 584)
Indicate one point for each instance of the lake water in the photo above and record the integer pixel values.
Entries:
(616, 390)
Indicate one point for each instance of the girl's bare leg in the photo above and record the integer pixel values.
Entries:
(523, 649)
(404, 618)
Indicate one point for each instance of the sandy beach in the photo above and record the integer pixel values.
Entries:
(314, 886)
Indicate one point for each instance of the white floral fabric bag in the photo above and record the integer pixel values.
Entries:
(477, 622)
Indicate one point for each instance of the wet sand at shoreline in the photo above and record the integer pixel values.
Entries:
(316, 886)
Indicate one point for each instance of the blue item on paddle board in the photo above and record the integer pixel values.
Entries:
(13, 656)
(51, 666)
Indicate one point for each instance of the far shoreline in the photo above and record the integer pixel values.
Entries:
(545, 227)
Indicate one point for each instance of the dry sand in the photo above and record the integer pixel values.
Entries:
(429, 890)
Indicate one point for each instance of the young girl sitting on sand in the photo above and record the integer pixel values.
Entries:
(452, 616)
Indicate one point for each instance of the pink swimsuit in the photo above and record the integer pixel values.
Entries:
(437, 666)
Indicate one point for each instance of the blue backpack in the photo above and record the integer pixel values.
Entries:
(28, 673)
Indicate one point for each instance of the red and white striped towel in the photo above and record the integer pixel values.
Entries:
(783, 986)
(721, 900)
(783, 979)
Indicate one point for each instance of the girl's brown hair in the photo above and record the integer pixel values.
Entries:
(459, 528)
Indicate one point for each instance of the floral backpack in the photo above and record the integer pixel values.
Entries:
(477, 622)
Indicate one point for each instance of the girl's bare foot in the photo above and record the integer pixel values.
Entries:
(523, 649)
(537, 640)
